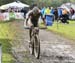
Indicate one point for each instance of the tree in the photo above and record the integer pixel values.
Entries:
(54, 3)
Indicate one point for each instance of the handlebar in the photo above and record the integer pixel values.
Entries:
(26, 27)
(38, 27)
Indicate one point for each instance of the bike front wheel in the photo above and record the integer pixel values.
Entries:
(37, 47)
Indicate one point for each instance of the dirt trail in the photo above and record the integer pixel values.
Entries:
(54, 48)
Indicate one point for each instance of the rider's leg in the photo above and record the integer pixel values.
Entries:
(30, 31)
(30, 42)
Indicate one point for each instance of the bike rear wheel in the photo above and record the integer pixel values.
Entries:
(31, 46)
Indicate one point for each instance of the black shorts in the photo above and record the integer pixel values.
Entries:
(35, 23)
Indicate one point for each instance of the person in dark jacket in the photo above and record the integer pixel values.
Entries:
(64, 16)
(72, 11)
(56, 13)
(24, 11)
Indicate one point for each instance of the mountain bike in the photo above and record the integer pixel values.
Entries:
(34, 45)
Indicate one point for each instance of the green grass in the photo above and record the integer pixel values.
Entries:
(7, 56)
(66, 30)
(6, 37)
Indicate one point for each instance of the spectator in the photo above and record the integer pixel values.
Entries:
(64, 16)
(56, 13)
(72, 11)
(24, 11)
(43, 11)
(59, 13)
(47, 11)
(52, 10)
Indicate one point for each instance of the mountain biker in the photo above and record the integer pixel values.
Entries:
(34, 15)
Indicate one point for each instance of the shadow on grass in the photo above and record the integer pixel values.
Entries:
(7, 56)
(8, 62)
(7, 21)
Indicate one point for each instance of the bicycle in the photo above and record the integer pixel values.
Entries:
(34, 45)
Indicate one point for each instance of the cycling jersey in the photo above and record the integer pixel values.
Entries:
(34, 18)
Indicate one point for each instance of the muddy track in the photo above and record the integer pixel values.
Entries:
(54, 48)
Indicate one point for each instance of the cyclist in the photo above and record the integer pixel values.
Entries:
(34, 15)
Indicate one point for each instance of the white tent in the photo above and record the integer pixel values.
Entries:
(73, 6)
(3, 7)
(64, 6)
(67, 6)
(15, 5)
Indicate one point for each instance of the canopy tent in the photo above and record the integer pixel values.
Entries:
(14, 5)
(73, 6)
(3, 7)
(67, 6)
(64, 6)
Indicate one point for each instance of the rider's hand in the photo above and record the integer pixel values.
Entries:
(26, 24)
(29, 24)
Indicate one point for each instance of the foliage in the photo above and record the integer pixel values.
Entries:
(53, 3)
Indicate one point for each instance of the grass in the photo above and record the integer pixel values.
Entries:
(7, 56)
(66, 30)
(6, 36)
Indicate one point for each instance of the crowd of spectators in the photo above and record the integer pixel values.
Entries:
(59, 13)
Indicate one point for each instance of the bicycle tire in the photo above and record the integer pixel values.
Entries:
(31, 46)
(36, 47)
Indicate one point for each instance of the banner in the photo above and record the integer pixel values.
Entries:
(1, 16)
(11, 15)
(19, 15)
(7, 16)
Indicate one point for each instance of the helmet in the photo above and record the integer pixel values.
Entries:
(32, 6)
(35, 10)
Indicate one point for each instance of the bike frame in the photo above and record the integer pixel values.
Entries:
(35, 41)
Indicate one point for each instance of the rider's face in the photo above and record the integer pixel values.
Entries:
(35, 12)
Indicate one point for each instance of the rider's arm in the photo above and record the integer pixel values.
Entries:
(27, 18)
